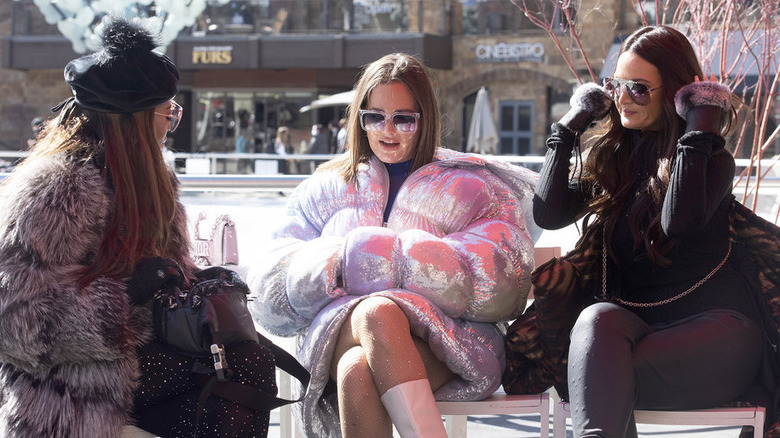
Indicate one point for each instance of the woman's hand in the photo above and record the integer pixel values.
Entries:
(150, 276)
(589, 103)
(704, 104)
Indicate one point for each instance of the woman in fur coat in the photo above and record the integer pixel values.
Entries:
(93, 200)
(396, 265)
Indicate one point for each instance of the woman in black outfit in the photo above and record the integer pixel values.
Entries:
(677, 327)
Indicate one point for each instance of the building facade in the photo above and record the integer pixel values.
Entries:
(249, 66)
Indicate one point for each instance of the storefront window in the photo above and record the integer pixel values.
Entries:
(380, 15)
(246, 122)
(491, 17)
(515, 127)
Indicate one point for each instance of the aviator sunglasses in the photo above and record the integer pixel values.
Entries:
(403, 123)
(174, 117)
(637, 91)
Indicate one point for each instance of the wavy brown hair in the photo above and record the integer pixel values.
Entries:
(144, 208)
(629, 170)
(396, 67)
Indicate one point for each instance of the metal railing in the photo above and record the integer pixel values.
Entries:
(214, 181)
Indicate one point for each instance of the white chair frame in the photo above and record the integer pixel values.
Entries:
(499, 403)
(751, 416)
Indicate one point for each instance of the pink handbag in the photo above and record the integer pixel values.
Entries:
(221, 247)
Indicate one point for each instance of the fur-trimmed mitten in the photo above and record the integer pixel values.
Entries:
(703, 105)
(151, 276)
(590, 102)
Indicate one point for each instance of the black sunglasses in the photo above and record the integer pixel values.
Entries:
(637, 91)
(403, 123)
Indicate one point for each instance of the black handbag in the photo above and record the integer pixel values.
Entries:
(203, 320)
(203, 327)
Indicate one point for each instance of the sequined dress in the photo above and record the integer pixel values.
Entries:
(455, 254)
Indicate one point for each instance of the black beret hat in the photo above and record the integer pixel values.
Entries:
(125, 75)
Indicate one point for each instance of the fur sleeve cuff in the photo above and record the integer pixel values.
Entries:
(702, 93)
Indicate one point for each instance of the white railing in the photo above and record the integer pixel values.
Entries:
(770, 185)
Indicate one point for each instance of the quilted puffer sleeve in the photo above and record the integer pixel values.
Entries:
(456, 237)
(53, 216)
(300, 272)
(480, 273)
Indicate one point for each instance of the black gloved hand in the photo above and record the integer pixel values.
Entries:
(590, 102)
(151, 276)
(704, 105)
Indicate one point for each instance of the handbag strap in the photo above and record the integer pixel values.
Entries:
(246, 395)
(285, 361)
(656, 303)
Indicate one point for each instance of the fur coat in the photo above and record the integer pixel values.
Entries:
(455, 256)
(68, 363)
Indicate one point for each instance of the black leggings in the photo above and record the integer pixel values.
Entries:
(618, 363)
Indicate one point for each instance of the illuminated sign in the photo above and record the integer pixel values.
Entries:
(503, 52)
(212, 54)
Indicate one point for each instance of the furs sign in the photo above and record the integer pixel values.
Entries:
(503, 52)
(212, 54)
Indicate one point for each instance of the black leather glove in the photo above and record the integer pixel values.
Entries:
(704, 105)
(590, 102)
(151, 276)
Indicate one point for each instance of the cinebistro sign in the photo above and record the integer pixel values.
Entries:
(212, 54)
(503, 52)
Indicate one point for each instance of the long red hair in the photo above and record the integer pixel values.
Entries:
(144, 209)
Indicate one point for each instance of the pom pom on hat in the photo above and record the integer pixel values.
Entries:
(125, 75)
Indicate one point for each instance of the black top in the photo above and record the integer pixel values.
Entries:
(695, 211)
(398, 173)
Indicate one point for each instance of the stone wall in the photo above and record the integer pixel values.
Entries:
(25, 94)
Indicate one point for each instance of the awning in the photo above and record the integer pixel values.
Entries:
(338, 99)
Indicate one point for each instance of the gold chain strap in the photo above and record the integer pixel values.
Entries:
(657, 303)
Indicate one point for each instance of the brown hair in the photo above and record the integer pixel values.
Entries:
(141, 222)
(620, 158)
(396, 67)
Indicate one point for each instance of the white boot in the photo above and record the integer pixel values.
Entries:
(413, 410)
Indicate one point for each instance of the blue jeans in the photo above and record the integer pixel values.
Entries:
(618, 363)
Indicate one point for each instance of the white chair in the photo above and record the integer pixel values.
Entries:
(753, 416)
(499, 403)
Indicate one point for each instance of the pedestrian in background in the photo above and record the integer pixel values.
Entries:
(319, 144)
(36, 125)
(281, 143)
(341, 137)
